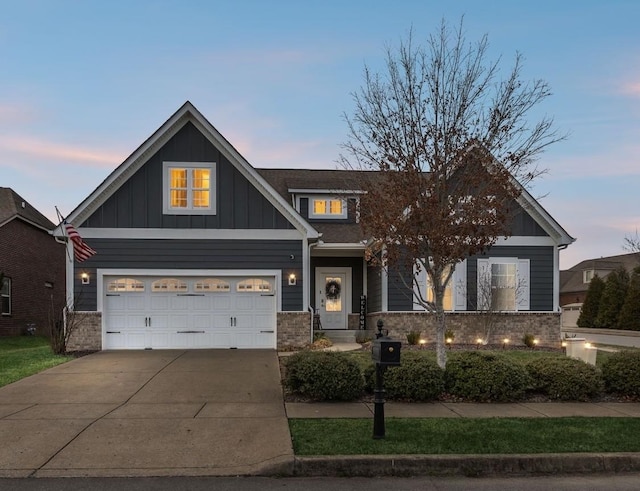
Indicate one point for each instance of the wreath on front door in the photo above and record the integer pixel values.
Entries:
(332, 290)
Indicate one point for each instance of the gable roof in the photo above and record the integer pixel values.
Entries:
(572, 279)
(13, 206)
(186, 113)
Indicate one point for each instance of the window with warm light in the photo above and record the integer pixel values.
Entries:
(325, 207)
(447, 302)
(189, 188)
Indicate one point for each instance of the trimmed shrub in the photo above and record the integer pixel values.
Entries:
(565, 379)
(482, 376)
(591, 305)
(324, 376)
(529, 340)
(413, 337)
(621, 373)
(418, 378)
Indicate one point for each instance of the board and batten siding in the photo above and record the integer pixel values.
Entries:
(540, 278)
(138, 201)
(374, 289)
(194, 255)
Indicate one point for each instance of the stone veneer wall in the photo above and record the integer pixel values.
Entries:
(87, 332)
(467, 326)
(294, 329)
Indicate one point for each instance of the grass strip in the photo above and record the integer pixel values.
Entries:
(22, 356)
(466, 436)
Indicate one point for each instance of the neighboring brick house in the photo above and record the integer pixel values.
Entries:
(33, 266)
(574, 282)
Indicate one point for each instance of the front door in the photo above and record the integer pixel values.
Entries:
(332, 296)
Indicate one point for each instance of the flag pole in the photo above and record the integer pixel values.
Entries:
(60, 223)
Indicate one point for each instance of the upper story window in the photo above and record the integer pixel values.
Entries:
(327, 207)
(587, 275)
(5, 296)
(211, 285)
(189, 188)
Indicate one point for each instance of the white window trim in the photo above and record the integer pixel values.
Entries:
(330, 216)
(189, 210)
(523, 279)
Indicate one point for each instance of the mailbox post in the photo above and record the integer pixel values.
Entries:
(384, 352)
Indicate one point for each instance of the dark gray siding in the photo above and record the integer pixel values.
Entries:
(357, 279)
(138, 202)
(524, 225)
(399, 296)
(540, 274)
(374, 289)
(196, 255)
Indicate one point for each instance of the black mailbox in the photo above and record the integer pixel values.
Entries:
(385, 352)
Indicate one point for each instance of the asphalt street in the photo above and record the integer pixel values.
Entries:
(619, 482)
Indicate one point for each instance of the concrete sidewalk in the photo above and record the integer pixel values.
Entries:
(464, 410)
(148, 413)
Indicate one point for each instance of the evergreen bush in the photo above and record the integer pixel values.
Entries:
(621, 373)
(591, 305)
(613, 295)
(630, 312)
(324, 376)
(565, 379)
(485, 377)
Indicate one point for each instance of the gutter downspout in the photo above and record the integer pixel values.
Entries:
(306, 274)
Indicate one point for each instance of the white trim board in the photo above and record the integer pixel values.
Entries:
(189, 233)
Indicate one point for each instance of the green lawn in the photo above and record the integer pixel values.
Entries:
(465, 436)
(21, 356)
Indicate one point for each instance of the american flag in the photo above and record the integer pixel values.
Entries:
(81, 250)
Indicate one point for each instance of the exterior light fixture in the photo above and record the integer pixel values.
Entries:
(422, 342)
(587, 345)
(85, 278)
(505, 342)
(292, 279)
(478, 342)
(535, 342)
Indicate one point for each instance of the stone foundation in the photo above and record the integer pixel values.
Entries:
(294, 329)
(86, 332)
(468, 327)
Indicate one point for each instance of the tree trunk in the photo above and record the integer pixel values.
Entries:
(441, 352)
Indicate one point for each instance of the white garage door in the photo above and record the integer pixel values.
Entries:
(143, 312)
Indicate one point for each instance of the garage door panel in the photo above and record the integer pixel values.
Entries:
(221, 302)
(193, 317)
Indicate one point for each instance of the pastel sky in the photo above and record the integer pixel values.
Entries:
(83, 83)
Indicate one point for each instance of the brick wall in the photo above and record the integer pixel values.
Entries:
(35, 262)
(87, 332)
(469, 326)
(294, 329)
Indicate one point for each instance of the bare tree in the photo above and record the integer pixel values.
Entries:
(632, 243)
(451, 142)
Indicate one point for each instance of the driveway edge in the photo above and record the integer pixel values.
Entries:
(466, 465)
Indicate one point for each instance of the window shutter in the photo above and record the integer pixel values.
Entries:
(459, 286)
(420, 283)
(523, 290)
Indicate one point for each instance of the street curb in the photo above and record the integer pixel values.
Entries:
(465, 465)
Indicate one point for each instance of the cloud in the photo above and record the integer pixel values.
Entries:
(631, 88)
(29, 148)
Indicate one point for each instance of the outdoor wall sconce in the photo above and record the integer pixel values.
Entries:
(292, 279)
(85, 278)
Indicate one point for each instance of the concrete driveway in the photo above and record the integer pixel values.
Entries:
(148, 413)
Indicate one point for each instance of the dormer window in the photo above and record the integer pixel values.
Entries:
(189, 188)
(327, 207)
(587, 275)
